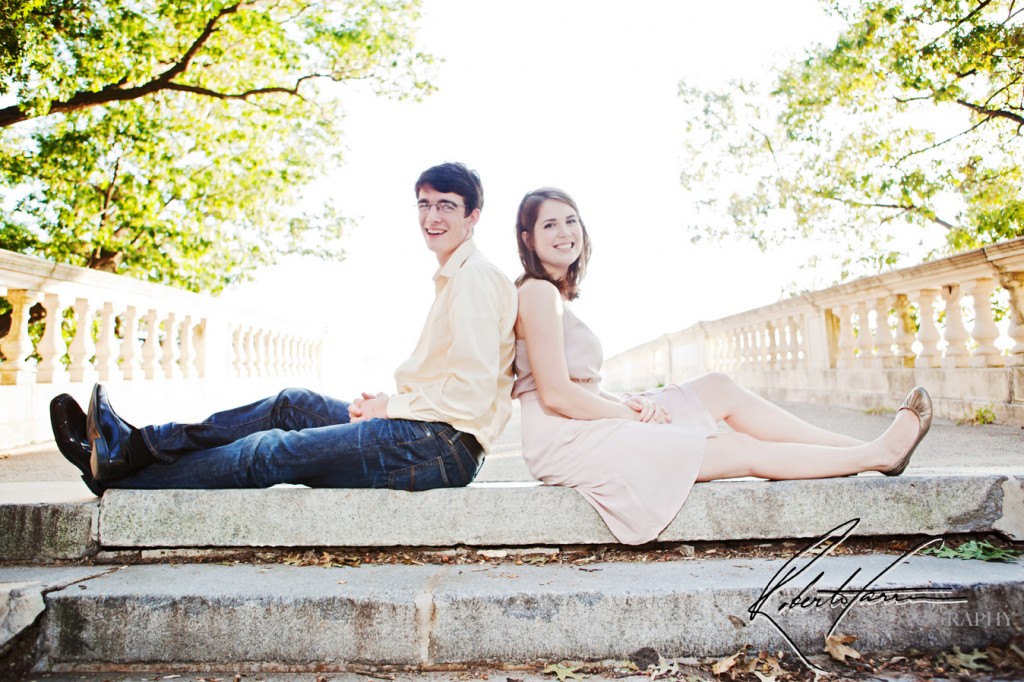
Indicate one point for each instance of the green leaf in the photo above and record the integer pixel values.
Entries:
(974, 549)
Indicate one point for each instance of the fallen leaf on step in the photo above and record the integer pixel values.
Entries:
(737, 622)
(665, 668)
(725, 665)
(836, 647)
(563, 672)
(964, 661)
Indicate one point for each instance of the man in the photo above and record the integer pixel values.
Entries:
(453, 397)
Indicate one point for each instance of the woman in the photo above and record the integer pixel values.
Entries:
(635, 459)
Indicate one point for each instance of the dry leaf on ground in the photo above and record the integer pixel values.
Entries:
(836, 647)
(725, 665)
(967, 661)
(564, 671)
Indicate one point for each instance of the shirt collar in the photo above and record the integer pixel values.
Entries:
(456, 260)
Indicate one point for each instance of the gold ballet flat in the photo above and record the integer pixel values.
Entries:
(918, 402)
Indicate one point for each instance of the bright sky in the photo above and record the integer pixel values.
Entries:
(578, 94)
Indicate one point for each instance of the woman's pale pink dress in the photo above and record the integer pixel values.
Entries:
(636, 475)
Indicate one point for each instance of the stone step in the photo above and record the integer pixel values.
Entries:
(292, 618)
(501, 514)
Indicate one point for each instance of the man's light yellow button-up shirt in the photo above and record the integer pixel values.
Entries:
(461, 370)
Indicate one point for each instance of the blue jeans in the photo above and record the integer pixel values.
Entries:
(302, 437)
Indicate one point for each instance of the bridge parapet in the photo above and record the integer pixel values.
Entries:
(954, 325)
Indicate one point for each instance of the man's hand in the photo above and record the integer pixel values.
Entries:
(368, 407)
(648, 410)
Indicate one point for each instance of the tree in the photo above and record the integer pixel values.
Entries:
(171, 139)
(912, 119)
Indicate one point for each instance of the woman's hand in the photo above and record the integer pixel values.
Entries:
(368, 407)
(647, 410)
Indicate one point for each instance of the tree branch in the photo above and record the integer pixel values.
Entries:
(206, 92)
(956, 23)
(115, 92)
(901, 208)
(992, 113)
(182, 65)
(939, 144)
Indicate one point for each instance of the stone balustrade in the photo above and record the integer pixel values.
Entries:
(99, 327)
(865, 343)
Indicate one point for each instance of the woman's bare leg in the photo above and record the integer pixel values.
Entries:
(751, 414)
(732, 455)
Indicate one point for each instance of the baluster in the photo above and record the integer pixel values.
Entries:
(51, 346)
(1014, 284)
(269, 370)
(292, 364)
(151, 347)
(128, 352)
(276, 356)
(257, 352)
(722, 349)
(985, 332)
(954, 334)
(787, 351)
(185, 350)
(238, 351)
(250, 352)
(17, 345)
(310, 358)
(928, 334)
(771, 347)
(316, 356)
(847, 345)
(881, 336)
(862, 344)
(904, 336)
(82, 348)
(800, 354)
(199, 346)
(168, 356)
(105, 343)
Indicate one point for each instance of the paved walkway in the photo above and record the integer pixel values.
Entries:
(949, 449)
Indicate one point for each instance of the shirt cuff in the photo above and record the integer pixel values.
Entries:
(400, 406)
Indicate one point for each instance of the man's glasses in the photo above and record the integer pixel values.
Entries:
(443, 206)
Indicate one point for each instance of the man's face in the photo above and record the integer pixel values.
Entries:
(443, 221)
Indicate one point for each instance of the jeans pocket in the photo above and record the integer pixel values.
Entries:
(422, 476)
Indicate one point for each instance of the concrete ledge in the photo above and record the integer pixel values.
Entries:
(41, 531)
(21, 594)
(531, 515)
(280, 617)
